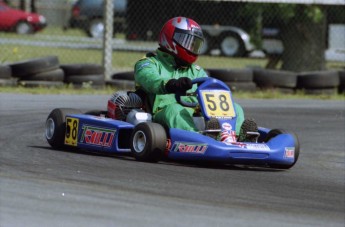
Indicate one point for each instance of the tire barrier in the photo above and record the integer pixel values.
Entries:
(81, 69)
(82, 74)
(96, 80)
(5, 72)
(236, 79)
(122, 80)
(44, 72)
(121, 84)
(341, 82)
(51, 75)
(128, 75)
(40, 83)
(11, 82)
(321, 82)
(268, 78)
(47, 72)
(283, 81)
(6, 76)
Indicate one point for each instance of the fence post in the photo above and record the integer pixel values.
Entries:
(108, 38)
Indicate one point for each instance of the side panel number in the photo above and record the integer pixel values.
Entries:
(71, 135)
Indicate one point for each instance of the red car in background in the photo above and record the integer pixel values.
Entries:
(19, 21)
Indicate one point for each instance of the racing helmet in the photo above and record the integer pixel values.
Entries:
(183, 38)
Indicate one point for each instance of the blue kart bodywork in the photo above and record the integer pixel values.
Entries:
(102, 134)
(108, 135)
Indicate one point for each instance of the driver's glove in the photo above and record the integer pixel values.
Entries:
(180, 85)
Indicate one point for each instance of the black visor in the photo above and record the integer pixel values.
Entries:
(190, 41)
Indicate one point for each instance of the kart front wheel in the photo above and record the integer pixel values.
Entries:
(56, 126)
(148, 142)
(275, 132)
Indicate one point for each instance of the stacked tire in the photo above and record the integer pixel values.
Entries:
(236, 79)
(320, 82)
(122, 80)
(284, 81)
(6, 78)
(341, 88)
(83, 75)
(38, 72)
(47, 72)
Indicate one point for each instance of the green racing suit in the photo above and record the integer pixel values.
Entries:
(151, 75)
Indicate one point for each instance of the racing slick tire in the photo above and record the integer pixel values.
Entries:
(56, 126)
(148, 142)
(275, 132)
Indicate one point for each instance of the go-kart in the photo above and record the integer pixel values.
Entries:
(126, 128)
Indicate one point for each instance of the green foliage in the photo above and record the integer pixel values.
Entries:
(284, 13)
(278, 15)
(314, 13)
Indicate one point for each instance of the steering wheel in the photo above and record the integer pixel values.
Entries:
(178, 95)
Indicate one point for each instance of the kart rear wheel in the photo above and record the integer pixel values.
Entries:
(148, 142)
(275, 132)
(56, 126)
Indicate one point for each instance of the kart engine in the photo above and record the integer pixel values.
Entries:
(121, 103)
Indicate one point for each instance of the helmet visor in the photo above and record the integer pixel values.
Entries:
(190, 42)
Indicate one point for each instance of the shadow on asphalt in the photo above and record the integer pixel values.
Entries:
(128, 157)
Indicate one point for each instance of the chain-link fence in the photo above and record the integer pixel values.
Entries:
(296, 37)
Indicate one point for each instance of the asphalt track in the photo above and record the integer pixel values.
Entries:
(43, 187)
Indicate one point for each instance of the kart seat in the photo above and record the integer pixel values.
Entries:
(147, 105)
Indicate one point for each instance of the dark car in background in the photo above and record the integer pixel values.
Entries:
(21, 22)
(88, 15)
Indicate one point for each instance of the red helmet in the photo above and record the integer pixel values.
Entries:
(183, 38)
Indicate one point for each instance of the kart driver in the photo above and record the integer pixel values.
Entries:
(171, 69)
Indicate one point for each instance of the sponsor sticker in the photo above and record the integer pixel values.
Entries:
(101, 117)
(289, 152)
(189, 148)
(227, 126)
(238, 144)
(97, 136)
(228, 136)
(257, 146)
(143, 65)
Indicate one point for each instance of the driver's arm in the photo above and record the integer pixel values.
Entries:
(147, 76)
